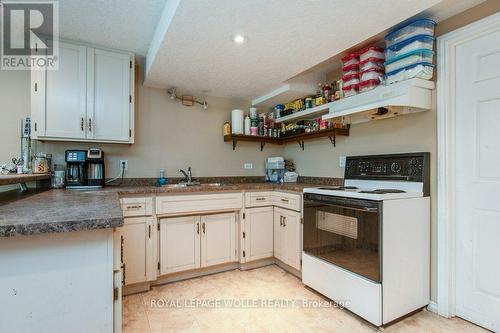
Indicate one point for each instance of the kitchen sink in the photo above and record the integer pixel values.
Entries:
(185, 184)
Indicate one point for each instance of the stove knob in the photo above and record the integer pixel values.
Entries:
(395, 167)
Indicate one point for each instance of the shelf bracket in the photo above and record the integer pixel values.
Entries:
(301, 144)
(332, 140)
(262, 144)
(234, 143)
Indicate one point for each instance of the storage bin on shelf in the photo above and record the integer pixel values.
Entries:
(372, 74)
(373, 52)
(350, 59)
(423, 70)
(350, 69)
(351, 90)
(350, 80)
(408, 59)
(371, 63)
(419, 42)
(368, 85)
(417, 27)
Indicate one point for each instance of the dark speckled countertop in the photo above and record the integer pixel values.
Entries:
(50, 211)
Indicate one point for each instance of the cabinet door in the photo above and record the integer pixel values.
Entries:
(109, 96)
(259, 232)
(218, 241)
(279, 235)
(65, 91)
(134, 234)
(293, 251)
(179, 244)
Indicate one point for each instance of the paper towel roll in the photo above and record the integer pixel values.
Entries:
(237, 121)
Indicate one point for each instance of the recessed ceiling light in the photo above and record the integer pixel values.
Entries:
(239, 39)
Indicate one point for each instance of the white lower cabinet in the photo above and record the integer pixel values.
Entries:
(258, 233)
(191, 242)
(137, 248)
(218, 239)
(287, 236)
(179, 244)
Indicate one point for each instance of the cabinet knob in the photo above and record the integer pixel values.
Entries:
(203, 227)
(198, 228)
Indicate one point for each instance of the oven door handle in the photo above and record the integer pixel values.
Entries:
(361, 209)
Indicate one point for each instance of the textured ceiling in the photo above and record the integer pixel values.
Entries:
(122, 24)
(285, 37)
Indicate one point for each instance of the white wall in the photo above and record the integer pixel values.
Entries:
(168, 135)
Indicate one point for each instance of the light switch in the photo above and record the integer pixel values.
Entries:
(248, 166)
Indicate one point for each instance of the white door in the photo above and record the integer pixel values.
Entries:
(477, 112)
(259, 232)
(134, 249)
(279, 235)
(179, 244)
(108, 95)
(218, 240)
(291, 220)
(66, 95)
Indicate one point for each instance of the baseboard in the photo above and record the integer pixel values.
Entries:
(433, 307)
(257, 264)
(288, 268)
(136, 288)
(174, 277)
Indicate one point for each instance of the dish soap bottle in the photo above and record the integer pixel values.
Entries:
(162, 180)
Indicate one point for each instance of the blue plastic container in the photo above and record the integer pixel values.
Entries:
(408, 59)
(418, 42)
(423, 70)
(414, 28)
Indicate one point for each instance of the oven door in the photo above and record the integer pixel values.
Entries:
(345, 232)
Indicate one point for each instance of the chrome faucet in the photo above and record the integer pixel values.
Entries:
(188, 175)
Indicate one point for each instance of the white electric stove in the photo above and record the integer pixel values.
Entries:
(367, 244)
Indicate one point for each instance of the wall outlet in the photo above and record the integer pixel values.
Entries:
(248, 166)
(342, 160)
(123, 162)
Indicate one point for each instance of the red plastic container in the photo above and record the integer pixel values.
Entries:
(368, 85)
(371, 63)
(350, 59)
(371, 74)
(350, 90)
(372, 52)
(351, 79)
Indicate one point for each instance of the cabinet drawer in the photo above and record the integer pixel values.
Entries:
(258, 199)
(287, 200)
(177, 204)
(137, 206)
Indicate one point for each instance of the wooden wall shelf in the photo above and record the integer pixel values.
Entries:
(299, 138)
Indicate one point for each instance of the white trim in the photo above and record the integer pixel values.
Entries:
(446, 45)
(432, 307)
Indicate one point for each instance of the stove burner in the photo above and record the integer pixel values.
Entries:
(339, 188)
(383, 191)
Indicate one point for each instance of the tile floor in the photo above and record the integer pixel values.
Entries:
(265, 283)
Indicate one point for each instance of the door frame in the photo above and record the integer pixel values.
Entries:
(446, 149)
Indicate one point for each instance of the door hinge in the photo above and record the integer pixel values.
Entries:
(301, 220)
(244, 234)
(115, 294)
(158, 265)
(36, 87)
(158, 226)
(130, 98)
(300, 262)
(130, 63)
(243, 254)
(244, 215)
(36, 127)
(129, 133)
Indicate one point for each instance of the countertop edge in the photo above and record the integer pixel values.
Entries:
(60, 227)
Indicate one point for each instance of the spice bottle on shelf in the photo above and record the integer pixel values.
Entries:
(247, 125)
(327, 92)
(226, 128)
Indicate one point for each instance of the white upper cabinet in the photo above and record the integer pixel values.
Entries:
(66, 94)
(108, 95)
(90, 98)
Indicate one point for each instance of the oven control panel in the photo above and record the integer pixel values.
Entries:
(412, 167)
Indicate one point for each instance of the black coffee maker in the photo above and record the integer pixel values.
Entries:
(84, 168)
